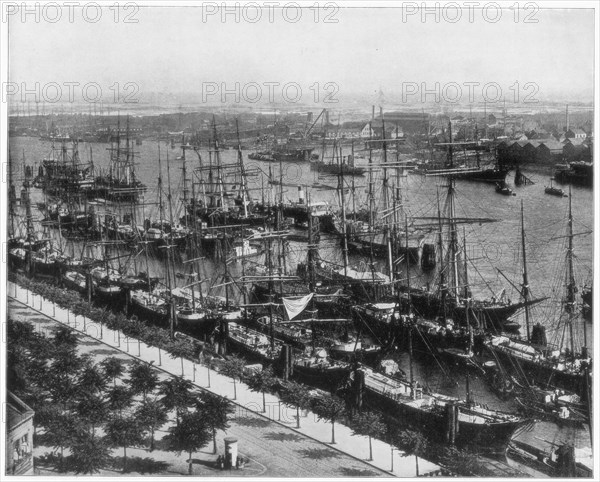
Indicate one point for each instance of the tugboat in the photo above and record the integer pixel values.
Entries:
(502, 188)
(555, 191)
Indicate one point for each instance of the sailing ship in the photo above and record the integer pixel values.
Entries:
(463, 422)
(120, 183)
(449, 297)
(542, 363)
(220, 193)
(564, 409)
(64, 171)
(489, 174)
(311, 365)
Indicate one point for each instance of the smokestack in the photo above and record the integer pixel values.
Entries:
(300, 195)
(567, 117)
(373, 113)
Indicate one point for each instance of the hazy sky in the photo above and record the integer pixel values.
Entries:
(174, 49)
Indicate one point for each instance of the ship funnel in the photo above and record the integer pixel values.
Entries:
(301, 198)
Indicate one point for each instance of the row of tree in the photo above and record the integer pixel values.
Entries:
(132, 327)
(91, 408)
(326, 407)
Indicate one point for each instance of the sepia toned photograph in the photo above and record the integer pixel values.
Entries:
(331, 239)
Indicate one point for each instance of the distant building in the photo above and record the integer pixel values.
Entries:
(19, 436)
(512, 154)
(549, 152)
(529, 151)
(575, 133)
(576, 141)
(407, 122)
(520, 136)
(577, 152)
(539, 134)
(351, 130)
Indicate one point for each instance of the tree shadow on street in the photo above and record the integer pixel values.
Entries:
(355, 472)
(251, 422)
(283, 437)
(319, 454)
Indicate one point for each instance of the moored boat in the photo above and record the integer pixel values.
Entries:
(442, 416)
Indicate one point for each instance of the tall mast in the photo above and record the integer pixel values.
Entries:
(385, 172)
(443, 286)
(371, 197)
(525, 288)
(169, 199)
(570, 301)
(453, 239)
(450, 149)
(353, 189)
(244, 187)
(171, 313)
(311, 250)
(467, 291)
(410, 345)
(219, 170)
(343, 202)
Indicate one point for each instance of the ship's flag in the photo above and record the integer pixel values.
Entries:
(295, 306)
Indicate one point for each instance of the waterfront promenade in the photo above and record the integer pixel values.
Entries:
(270, 438)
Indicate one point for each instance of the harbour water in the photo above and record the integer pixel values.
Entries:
(490, 246)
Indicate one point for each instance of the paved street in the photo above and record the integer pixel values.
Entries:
(275, 448)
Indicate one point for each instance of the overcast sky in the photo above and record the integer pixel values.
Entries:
(174, 49)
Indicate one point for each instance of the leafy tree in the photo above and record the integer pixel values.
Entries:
(91, 379)
(412, 443)
(330, 408)
(93, 411)
(155, 337)
(113, 368)
(262, 381)
(459, 461)
(180, 349)
(233, 367)
(119, 398)
(124, 432)
(369, 424)
(190, 435)
(296, 394)
(152, 415)
(45, 414)
(65, 431)
(37, 372)
(20, 332)
(177, 394)
(18, 364)
(216, 410)
(65, 337)
(142, 378)
(89, 453)
(62, 379)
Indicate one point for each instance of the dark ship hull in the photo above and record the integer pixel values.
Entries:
(441, 417)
